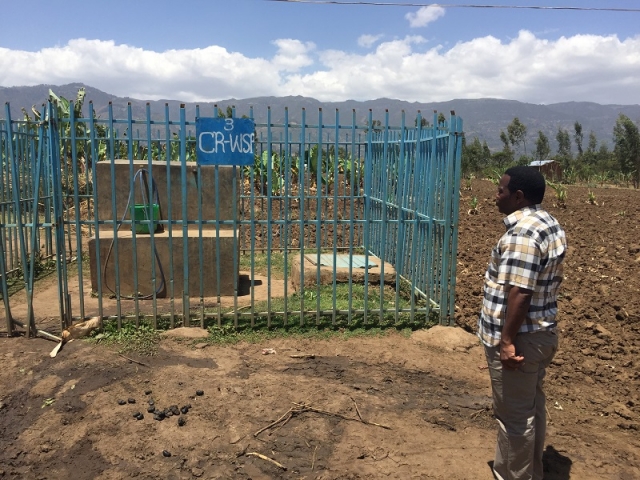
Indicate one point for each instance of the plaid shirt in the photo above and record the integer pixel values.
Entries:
(529, 255)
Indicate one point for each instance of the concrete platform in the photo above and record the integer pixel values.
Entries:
(341, 274)
(212, 258)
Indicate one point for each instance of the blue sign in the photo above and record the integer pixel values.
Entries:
(225, 141)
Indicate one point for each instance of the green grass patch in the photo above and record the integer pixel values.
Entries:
(142, 339)
(228, 335)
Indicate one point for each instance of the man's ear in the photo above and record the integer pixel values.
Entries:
(519, 195)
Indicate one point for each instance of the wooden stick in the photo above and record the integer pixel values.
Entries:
(132, 360)
(46, 335)
(263, 457)
(357, 409)
(311, 409)
(272, 424)
(478, 412)
(313, 460)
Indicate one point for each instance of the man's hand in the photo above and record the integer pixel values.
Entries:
(508, 357)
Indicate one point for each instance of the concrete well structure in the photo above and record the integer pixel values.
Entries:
(210, 255)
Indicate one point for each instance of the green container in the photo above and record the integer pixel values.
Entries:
(141, 212)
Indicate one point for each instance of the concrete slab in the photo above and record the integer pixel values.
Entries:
(341, 274)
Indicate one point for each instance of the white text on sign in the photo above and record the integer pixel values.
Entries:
(220, 141)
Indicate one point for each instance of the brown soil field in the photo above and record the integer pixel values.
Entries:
(391, 406)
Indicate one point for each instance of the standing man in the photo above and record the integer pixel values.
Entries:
(517, 324)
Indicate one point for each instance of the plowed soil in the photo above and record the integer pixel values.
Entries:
(368, 407)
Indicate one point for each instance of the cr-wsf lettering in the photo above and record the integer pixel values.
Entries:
(218, 142)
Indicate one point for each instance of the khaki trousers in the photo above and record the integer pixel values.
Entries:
(519, 406)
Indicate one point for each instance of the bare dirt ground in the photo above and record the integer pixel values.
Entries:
(367, 407)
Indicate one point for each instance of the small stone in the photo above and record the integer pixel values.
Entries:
(158, 417)
(197, 472)
(151, 409)
(140, 417)
(184, 410)
(147, 392)
(166, 453)
(601, 332)
(201, 345)
(605, 356)
(182, 422)
(122, 402)
(199, 392)
(131, 400)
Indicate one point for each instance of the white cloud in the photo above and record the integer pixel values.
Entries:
(424, 16)
(603, 69)
(367, 41)
(292, 54)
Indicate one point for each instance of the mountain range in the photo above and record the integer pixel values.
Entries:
(483, 118)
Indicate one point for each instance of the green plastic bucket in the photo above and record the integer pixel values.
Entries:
(141, 212)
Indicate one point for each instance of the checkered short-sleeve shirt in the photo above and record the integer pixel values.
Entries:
(529, 255)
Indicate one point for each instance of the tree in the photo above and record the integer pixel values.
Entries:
(507, 152)
(578, 137)
(423, 122)
(564, 148)
(542, 146)
(474, 157)
(626, 140)
(517, 133)
(376, 125)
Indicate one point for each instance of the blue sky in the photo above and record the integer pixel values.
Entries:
(209, 50)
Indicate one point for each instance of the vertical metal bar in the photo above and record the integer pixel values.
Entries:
(286, 214)
(429, 203)
(128, 211)
(151, 187)
(368, 171)
(54, 155)
(96, 220)
(417, 221)
(76, 205)
(336, 186)
(198, 173)
(385, 208)
(455, 137)
(4, 146)
(302, 179)
(170, 219)
(34, 245)
(404, 165)
(352, 201)
(116, 221)
(185, 225)
(269, 192)
(252, 216)
(218, 272)
(319, 221)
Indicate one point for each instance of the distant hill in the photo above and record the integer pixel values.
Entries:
(483, 118)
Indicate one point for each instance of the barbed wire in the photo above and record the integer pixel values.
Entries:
(461, 5)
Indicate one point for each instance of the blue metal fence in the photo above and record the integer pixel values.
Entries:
(335, 222)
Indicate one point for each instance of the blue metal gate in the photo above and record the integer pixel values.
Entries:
(335, 223)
